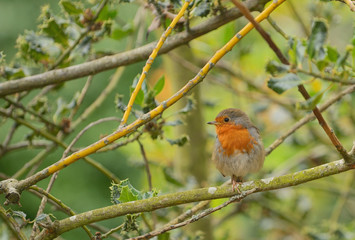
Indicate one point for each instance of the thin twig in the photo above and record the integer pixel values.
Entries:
(4, 146)
(197, 217)
(59, 204)
(277, 28)
(308, 118)
(299, 19)
(13, 226)
(146, 164)
(327, 78)
(68, 149)
(28, 144)
(100, 99)
(35, 228)
(121, 144)
(81, 96)
(301, 87)
(19, 105)
(112, 231)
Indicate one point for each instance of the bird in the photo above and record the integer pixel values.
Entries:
(238, 149)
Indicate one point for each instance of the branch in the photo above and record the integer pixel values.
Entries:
(121, 59)
(12, 224)
(195, 195)
(308, 118)
(235, 198)
(150, 61)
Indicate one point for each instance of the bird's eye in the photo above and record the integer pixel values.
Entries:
(226, 119)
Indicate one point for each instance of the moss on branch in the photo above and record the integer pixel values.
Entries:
(195, 195)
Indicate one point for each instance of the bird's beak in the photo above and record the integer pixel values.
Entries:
(212, 123)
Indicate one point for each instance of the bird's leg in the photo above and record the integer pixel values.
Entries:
(236, 181)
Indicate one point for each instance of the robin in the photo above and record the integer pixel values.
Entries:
(238, 149)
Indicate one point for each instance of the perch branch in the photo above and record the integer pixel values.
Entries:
(195, 195)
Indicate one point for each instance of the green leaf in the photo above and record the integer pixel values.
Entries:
(202, 9)
(130, 223)
(180, 141)
(159, 85)
(332, 54)
(342, 60)
(35, 47)
(127, 195)
(312, 102)
(300, 50)
(13, 73)
(124, 192)
(55, 31)
(140, 96)
(284, 83)
(275, 68)
(169, 176)
(164, 236)
(107, 14)
(317, 38)
(72, 8)
(119, 33)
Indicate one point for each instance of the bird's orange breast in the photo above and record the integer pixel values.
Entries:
(234, 137)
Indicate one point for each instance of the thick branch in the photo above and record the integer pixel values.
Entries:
(121, 59)
(195, 195)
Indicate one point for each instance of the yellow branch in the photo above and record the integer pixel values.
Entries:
(150, 61)
(350, 4)
(153, 113)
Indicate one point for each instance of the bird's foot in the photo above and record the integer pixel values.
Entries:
(236, 181)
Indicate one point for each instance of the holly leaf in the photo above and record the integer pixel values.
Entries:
(127, 195)
(55, 31)
(273, 67)
(124, 192)
(281, 84)
(179, 141)
(317, 39)
(202, 8)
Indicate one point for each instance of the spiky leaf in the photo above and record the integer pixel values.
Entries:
(317, 38)
(284, 83)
